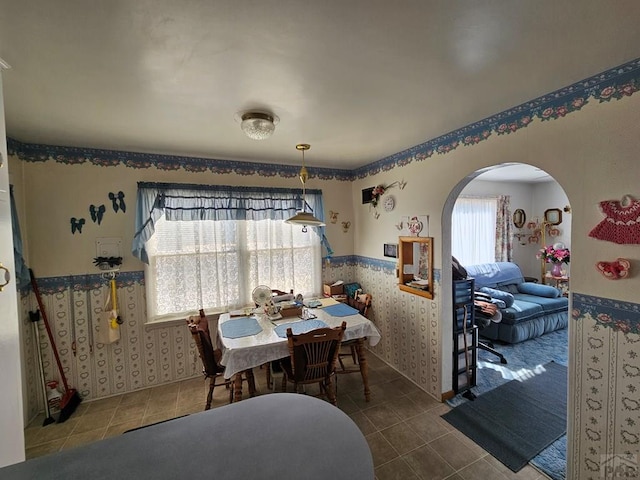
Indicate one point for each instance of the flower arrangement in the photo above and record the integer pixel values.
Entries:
(556, 253)
(380, 190)
(376, 193)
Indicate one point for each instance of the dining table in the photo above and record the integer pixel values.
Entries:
(251, 338)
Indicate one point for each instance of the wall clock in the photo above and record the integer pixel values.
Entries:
(389, 203)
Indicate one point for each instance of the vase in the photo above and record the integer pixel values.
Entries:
(556, 269)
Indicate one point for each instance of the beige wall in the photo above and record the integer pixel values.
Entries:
(55, 192)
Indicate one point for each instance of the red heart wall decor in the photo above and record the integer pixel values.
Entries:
(614, 270)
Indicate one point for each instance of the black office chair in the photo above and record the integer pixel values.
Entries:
(485, 314)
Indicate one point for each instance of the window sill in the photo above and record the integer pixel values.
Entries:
(173, 322)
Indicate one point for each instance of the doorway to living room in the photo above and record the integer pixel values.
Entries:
(533, 193)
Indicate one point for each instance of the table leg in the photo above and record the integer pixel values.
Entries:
(364, 367)
(237, 387)
(251, 381)
(237, 384)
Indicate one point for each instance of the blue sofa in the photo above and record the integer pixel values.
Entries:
(529, 309)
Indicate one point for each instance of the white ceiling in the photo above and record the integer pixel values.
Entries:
(515, 172)
(359, 80)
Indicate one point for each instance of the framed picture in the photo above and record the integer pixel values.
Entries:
(391, 250)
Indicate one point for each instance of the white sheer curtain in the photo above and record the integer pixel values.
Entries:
(473, 230)
(215, 264)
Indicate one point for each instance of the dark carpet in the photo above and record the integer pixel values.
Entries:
(519, 419)
(523, 359)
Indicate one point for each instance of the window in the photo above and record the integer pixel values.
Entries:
(473, 230)
(215, 263)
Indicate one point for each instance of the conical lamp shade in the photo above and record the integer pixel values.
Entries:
(305, 218)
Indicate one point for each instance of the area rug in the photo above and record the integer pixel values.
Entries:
(523, 359)
(519, 419)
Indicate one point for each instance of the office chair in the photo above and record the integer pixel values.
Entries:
(486, 313)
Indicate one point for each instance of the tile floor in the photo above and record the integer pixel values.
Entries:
(402, 424)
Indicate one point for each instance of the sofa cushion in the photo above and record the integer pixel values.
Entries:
(505, 297)
(538, 290)
(496, 274)
(521, 310)
(549, 305)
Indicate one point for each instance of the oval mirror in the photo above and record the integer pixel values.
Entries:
(519, 218)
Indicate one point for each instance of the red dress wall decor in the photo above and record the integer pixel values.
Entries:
(622, 222)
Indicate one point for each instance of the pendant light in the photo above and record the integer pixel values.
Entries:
(303, 217)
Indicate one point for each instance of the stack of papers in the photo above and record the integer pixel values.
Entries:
(419, 283)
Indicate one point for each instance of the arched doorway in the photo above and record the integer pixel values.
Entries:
(525, 247)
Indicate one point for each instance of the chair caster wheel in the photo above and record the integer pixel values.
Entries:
(503, 361)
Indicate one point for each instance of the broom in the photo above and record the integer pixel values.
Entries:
(71, 398)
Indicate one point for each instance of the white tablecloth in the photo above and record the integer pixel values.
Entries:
(239, 354)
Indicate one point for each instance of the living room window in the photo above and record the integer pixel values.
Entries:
(473, 230)
(210, 247)
(481, 230)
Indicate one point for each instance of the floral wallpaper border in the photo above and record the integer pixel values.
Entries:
(612, 84)
(51, 285)
(618, 315)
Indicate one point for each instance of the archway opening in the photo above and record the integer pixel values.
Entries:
(544, 218)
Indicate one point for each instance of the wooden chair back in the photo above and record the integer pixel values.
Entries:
(210, 358)
(314, 354)
(362, 303)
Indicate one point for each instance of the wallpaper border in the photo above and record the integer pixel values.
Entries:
(618, 315)
(89, 281)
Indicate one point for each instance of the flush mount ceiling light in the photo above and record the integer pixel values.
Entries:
(303, 217)
(258, 125)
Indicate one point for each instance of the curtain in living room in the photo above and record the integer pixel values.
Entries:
(504, 230)
(473, 230)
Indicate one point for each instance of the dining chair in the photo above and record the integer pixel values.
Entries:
(312, 359)
(362, 303)
(210, 356)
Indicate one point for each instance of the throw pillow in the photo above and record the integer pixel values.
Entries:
(538, 289)
(506, 297)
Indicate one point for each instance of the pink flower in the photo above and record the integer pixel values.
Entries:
(547, 112)
(607, 92)
(604, 318)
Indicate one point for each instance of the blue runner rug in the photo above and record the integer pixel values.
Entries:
(523, 358)
(519, 419)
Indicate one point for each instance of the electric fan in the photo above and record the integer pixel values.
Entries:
(261, 295)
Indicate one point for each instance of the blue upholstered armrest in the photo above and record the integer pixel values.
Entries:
(505, 297)
(538, 289)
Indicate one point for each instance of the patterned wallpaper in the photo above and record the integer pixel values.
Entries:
(146, 357)
(607, 385)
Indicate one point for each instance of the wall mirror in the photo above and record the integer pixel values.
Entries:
(519, 218)
(553, 216)
(416, 265)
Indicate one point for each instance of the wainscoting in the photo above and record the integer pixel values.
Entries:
(150, 356)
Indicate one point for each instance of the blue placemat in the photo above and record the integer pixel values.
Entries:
(297, 328)
(340, 310)
(240, 327)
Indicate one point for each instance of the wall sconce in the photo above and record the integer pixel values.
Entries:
(345, 226)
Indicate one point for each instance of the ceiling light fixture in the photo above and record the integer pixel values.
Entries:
(303, 217)
(258, 125)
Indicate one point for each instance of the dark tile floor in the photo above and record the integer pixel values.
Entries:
(402, 424)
